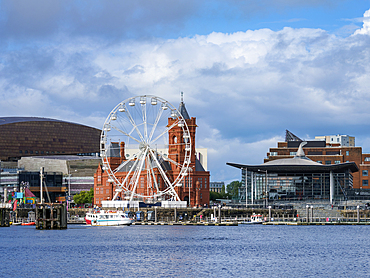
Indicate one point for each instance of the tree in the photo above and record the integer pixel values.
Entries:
(233, 189)
(84, 197)
(215, 195)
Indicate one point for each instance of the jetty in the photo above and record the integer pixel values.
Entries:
(4, 215)
(51, 216)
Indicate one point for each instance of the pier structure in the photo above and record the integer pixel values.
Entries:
(51, 216)
(4, 215)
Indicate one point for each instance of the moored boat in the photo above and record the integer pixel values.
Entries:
(108, 218)
(29, 224)
(255, 219)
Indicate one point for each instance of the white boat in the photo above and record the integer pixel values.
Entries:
(108, 218)
(255, 219)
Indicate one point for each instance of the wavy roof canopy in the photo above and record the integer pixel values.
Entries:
(12, 120)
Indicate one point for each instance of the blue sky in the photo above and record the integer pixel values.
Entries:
(249, 70)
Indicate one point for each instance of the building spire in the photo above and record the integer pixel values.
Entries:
(182, 108)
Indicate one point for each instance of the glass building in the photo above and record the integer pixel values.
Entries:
(297, 178)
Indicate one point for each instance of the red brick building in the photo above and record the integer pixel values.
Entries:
(197, 177)
(326, 153)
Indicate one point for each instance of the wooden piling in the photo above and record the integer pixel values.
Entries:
(51, 216)
(4, 217)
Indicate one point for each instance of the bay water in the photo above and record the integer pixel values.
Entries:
(186, 251)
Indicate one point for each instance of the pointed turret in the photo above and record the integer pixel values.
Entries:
(182, 108)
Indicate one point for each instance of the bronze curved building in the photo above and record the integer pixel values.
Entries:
(32, 136)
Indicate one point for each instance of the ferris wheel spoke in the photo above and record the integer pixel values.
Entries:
(158, 117)
(143, 108)
(164, 132)
(172, 161)
(123, 164)
(125, 133)
(134, 125)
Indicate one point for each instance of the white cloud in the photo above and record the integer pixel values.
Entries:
(365, 30)
(245, 88)
(222, 150)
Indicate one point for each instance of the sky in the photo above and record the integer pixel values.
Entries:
(249, 69)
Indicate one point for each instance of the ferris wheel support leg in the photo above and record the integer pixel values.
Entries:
(138, 175)
(164, 175)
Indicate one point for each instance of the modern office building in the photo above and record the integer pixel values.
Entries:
(327, 150)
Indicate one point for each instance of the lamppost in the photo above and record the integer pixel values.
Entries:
(189, 183)
(265, 171)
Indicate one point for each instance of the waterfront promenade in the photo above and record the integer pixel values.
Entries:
(303, 215)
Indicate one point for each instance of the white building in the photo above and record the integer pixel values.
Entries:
(343, 140)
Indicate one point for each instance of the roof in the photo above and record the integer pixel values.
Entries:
(198, 166)
(64, 157)
(183, 111)
(113, 150)
(291, 137)
(298, 164)
(13, 120)
(288, 168)
(129, 164)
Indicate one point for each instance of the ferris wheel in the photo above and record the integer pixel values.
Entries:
(141, 133)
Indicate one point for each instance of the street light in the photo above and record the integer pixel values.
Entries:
(190, 170)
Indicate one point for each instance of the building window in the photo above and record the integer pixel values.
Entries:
(107, 191)
(327, 162)
(347, 153)
(273, 153)
(142, 182)
(319, 161)
(293, 153)
(365, 182)
(367, 158)
(336, 162)
(364, 173)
